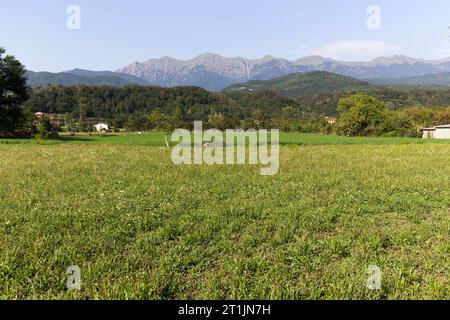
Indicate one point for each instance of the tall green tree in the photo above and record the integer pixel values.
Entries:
(69, 123)
(13, 92)
(360, 115)
(165, 123)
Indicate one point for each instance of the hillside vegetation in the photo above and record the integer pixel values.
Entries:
(306, 84)
(78, 77)
(435, 79)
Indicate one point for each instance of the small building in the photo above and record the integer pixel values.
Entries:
(39, 115)
(428, 133)
(438, 132)
(102, 127)
(443, 132)
(330, 119)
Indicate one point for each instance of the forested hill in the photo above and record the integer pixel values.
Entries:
(319, 91)
(395, 98)
(306, 84)
(436, 79)
(195, 103)
(78, 77)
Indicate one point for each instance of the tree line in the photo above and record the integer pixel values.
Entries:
(363, 114)
(129, 107)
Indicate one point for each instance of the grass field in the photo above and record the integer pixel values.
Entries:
(157, 139)
(140, 227)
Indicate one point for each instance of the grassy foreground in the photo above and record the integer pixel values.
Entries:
(142, 228)
(157, 139)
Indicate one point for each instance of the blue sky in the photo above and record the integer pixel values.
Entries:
(116, 33)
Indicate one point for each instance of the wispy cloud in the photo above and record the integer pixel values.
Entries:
(353, 50)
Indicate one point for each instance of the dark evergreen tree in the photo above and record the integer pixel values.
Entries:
(13, 93)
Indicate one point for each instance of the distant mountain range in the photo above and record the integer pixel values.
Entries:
(214, 72)
(305, 84)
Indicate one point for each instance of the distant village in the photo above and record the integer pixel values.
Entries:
(436, 132)
(58, 121)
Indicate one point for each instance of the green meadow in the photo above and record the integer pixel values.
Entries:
(157, 139)
(140, 227)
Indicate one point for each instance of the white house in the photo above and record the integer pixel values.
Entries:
(102, 127)
(428, 133)
(443, 132)
(438, 132)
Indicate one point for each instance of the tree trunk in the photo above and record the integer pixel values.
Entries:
(167, 142)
